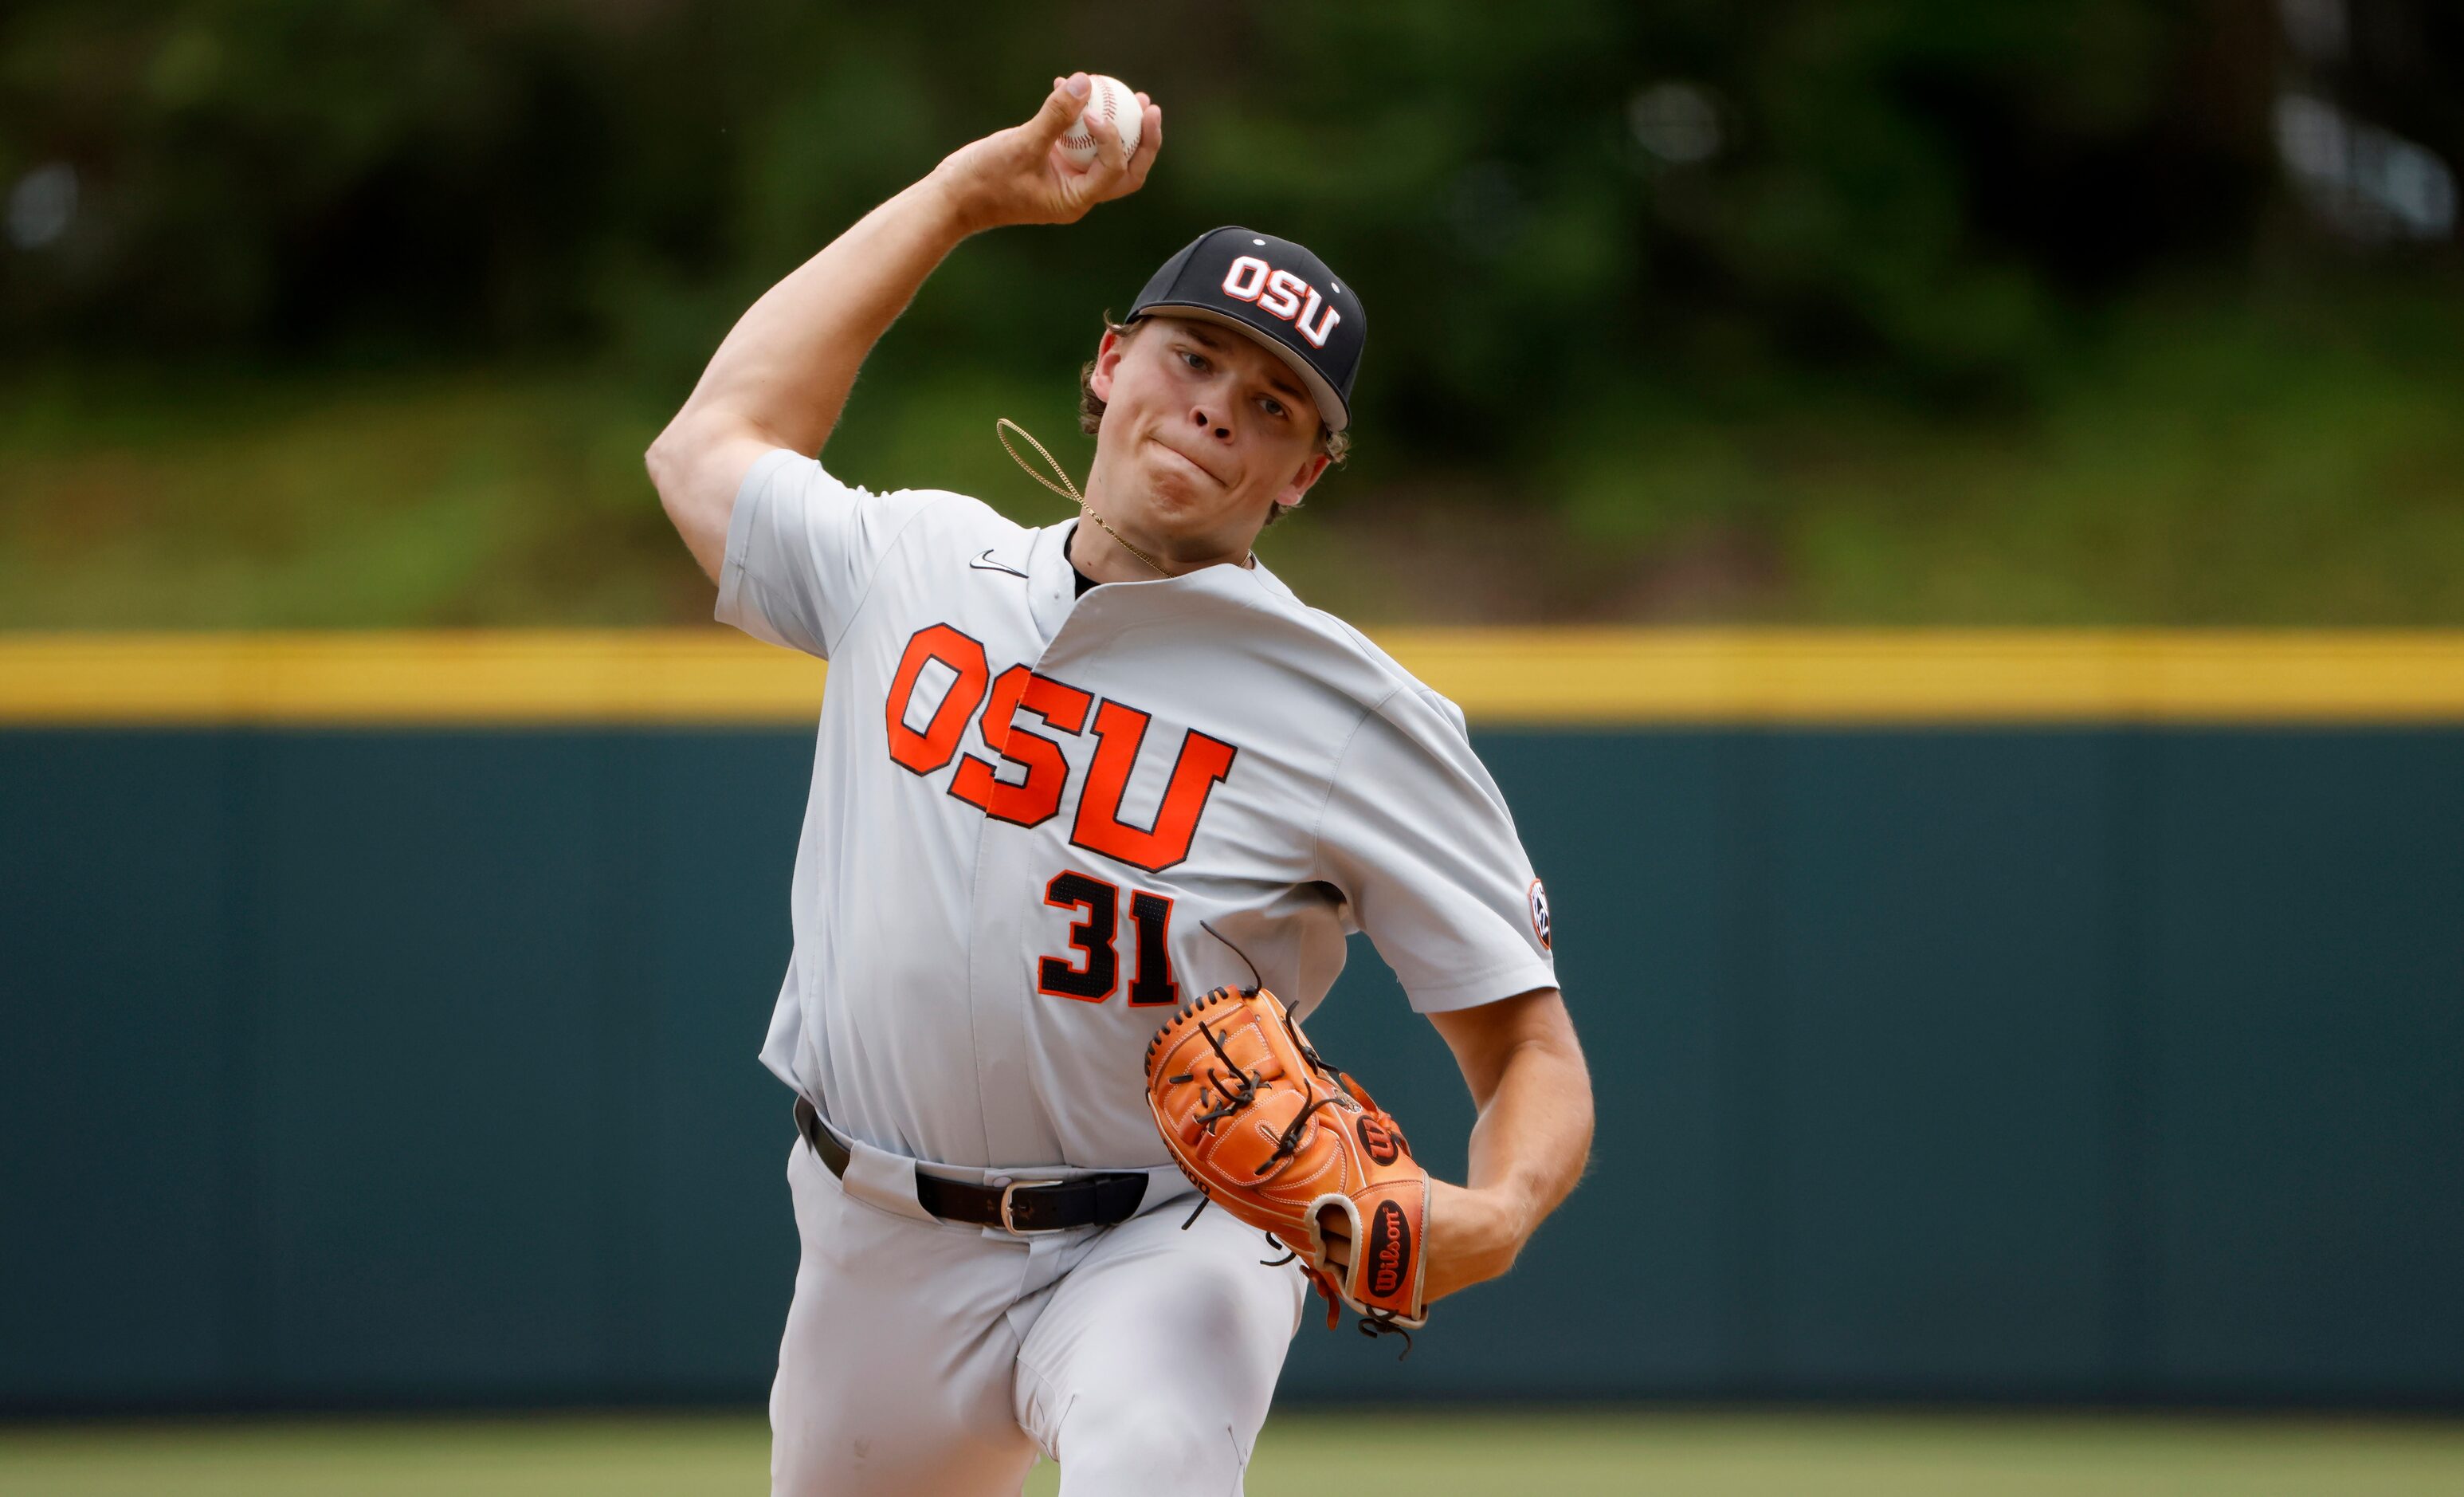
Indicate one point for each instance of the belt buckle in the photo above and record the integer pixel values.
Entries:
(1009, 1223)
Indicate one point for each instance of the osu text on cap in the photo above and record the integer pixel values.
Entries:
(1279, 294)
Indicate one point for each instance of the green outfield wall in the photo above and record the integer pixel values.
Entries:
(2059, 1060)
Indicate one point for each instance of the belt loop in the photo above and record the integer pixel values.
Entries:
(884, 1180)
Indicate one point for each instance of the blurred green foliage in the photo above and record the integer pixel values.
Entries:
(1606, 248)
(1550, 198)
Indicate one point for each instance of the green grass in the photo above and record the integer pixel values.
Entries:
(436, 499)
(1431, 1454)
(2199, 465)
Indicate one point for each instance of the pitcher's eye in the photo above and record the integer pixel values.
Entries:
(1195, 361)
(1274, 406)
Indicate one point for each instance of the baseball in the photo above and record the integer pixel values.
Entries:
(1107, 98)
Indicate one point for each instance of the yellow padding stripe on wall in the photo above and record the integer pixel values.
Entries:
(1535, 676)
(481, 677)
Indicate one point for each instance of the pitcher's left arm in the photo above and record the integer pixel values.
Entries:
(1526, 1075)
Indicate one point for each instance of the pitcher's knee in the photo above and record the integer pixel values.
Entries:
(1123, 1452)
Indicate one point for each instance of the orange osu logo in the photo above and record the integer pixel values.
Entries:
(1390, 1250)
(1540, 928)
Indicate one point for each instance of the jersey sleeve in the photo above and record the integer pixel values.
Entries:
(1418, 838)
(803, 549)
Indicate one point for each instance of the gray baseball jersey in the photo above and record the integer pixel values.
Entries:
(1039, 821)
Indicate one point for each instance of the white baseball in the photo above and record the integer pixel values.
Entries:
(1110, 99)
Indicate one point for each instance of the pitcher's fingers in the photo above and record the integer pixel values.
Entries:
(1112, 164)
(1150, 142)
(1060, 109)
(1108, 151)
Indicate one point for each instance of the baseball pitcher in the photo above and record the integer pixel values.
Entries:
(1093, 808)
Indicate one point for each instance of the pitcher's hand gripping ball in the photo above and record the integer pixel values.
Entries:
(1116, 104)
(1279, 1138)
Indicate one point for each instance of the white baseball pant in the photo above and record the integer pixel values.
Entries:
(924, 1357)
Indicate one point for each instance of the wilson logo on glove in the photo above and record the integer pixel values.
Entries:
(1390, 1250)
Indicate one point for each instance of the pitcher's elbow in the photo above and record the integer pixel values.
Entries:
(662, 462)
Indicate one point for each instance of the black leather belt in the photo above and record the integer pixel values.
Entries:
(1021, 1206)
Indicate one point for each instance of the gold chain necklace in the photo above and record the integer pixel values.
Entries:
(1004, 426)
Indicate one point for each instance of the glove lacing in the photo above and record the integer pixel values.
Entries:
(1238, 1093)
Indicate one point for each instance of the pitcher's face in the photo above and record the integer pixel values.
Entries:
(1204, 433)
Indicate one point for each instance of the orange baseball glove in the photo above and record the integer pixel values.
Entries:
(1288, 1144)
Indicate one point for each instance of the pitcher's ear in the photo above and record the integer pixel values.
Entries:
(1107, 358)
(1311, 469)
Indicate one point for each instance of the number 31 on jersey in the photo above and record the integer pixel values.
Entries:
(1093, 974)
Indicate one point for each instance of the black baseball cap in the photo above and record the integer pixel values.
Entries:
(1276, 291)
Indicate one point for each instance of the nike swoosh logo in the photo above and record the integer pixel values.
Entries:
(986, 563)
